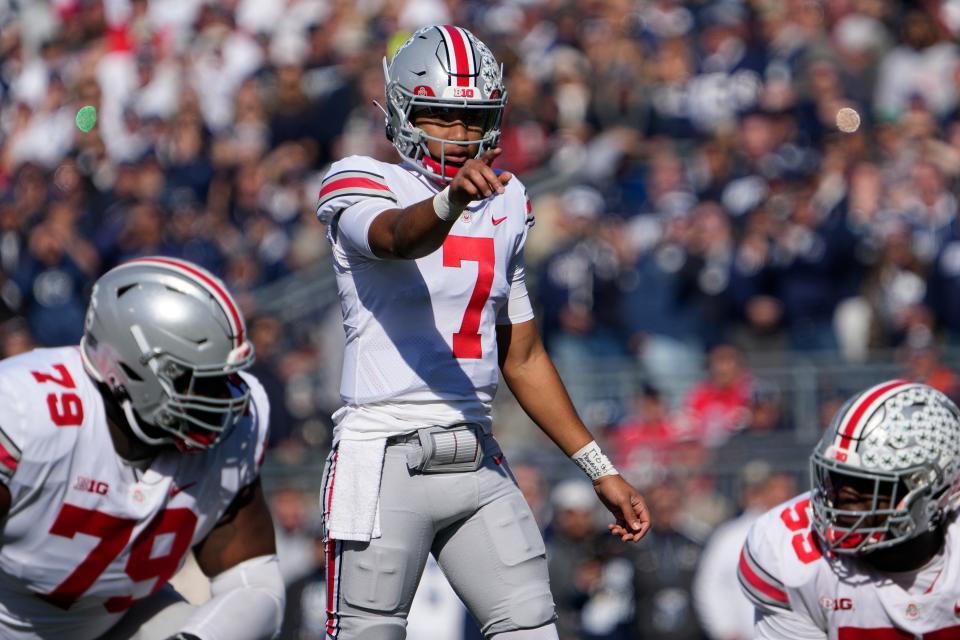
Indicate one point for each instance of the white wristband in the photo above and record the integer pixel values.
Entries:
(445, 209)
(593, 463)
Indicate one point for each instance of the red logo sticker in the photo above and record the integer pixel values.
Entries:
(423, 90)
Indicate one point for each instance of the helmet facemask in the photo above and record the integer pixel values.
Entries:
(890, 507)
(202, 404)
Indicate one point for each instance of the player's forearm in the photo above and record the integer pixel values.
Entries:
(538, 388)
(410, 233)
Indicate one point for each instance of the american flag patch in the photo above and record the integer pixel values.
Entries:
(9, 456)
(354, 183)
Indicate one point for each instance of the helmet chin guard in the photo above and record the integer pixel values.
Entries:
(442, 67)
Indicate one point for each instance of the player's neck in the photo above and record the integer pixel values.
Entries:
(910, 555)
(125, 443)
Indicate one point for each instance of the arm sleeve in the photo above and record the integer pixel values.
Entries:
(246, 603)
(786, 625)
(352, 194)
(518, 307)
(720, 614)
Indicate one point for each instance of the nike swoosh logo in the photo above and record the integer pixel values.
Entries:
(497, 221)
(175, 490)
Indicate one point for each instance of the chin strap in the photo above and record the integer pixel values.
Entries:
(131, 417)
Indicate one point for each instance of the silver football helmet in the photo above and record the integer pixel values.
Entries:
(900, 442)
(442, 67)
(168, 339)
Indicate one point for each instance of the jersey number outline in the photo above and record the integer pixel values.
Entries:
(456, 251)
(66, 408)
(114, 534)
(797, 520)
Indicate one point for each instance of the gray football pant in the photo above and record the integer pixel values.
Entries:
(477, 525)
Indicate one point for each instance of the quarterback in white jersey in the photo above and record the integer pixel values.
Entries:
(429, 262)
(119, 456)
(871, 553)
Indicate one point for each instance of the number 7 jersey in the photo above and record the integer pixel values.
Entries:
(782, 570)
(87, 535)
(423, 331)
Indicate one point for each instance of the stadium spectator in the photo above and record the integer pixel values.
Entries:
(664, 568)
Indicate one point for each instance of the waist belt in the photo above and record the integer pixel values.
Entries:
(448, 449)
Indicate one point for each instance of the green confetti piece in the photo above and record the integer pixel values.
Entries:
(86, 118)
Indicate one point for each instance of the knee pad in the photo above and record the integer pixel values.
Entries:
(371, 628)
(377, 582)
(513, 530)
(525, 600)
(548, 632)
(535, 610)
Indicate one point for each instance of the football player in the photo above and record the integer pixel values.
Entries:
(428, 255)
(119, 456)
(870, 551)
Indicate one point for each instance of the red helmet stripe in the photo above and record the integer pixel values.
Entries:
(459, 62)
(224, 298)
(855, 414)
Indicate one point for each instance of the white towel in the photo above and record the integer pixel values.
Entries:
(355, 505)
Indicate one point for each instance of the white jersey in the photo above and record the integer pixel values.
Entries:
(784, 572)
(87, 535)
(421, 333)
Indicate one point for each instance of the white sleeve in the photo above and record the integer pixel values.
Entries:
(351, 228)
(518, 307)
(353, 192)
(246, 603)
(785, 625)
(715, 589)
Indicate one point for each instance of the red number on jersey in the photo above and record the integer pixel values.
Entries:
(143, 565)
(803, 542)
(114, 534)
(456, 250)
(66, 409)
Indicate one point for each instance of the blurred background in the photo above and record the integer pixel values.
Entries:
(719, 258)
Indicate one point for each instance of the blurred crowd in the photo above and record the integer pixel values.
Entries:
(701, 200)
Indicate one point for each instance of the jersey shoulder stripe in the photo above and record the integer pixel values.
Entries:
(353, 182)
(758, 584)
(9, 456)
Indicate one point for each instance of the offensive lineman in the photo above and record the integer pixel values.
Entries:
(429, 262)
(871, 552)
(119, 456)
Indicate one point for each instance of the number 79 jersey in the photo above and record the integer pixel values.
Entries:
(423, 331)
(87, 535)
(782, 569)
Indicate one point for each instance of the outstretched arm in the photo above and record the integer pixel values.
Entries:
(420, 229)
(534, 381)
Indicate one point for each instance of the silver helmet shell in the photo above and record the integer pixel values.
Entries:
(161, 333)
(903, 440)
(442, 67)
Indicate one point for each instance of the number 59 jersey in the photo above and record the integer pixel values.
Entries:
(423, 331)
(782, 569)
(87, 535)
